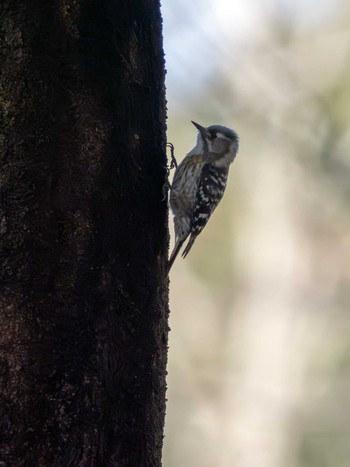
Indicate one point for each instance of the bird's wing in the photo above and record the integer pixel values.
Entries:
(210, 190)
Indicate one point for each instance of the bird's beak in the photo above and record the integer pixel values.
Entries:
(199, 127)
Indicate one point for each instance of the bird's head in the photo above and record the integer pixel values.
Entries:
(217, 139)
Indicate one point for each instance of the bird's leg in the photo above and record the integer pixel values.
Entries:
(173, 164)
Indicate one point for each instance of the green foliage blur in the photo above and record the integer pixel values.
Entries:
(259, 359)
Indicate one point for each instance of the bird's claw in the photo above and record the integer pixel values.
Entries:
(173, 163)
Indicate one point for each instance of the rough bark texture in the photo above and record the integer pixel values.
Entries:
(83, 289)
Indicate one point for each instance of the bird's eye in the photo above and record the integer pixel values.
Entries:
(212, 135)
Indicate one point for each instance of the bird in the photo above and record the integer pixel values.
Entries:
(199, 183)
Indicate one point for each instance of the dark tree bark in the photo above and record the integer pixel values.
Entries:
(83, 287)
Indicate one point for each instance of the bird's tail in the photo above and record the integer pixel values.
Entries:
(189, 245)
(174, 253)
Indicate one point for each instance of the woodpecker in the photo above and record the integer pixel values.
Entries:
(199, 183)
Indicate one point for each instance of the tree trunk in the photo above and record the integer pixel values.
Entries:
(84, 292)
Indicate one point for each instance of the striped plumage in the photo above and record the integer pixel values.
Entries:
(199, 183)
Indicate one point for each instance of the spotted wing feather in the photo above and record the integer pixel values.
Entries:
(210, 190)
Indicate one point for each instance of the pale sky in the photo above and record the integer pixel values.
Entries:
(200, 34)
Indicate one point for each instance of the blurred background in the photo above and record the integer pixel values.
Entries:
(259, 350)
